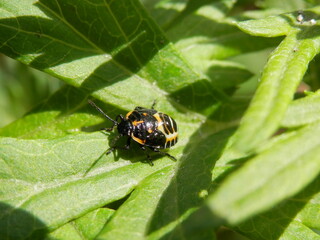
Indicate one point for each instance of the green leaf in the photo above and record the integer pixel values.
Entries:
(283, 227)
(295, 215)
(286, 5)
(279, 80)
(98, 59)
(114, 53)
(86, 227)
(209, 34)
(113, 61)
(135, 214)
(63, 113)
(180, 200)
(226, 74)
(21, 88)
(302, 111)
(45, 179)
(308, 200)
(269, 177)
(265, 27)
(38, 22)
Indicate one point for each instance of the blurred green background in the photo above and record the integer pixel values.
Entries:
(21, 88)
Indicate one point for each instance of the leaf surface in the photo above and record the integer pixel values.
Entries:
(268, 175)
(280, 78)
(85, 227)
(302, 111)
(48, 180)
(114, 52)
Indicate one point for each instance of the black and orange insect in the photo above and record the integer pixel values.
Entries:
(148, 127)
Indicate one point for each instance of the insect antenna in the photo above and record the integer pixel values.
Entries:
(154, 103)
(102, 112)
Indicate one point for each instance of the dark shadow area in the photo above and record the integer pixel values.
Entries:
(192, 178)
(116, 204)
(201, 224)
(219, 105)
(66, 101)
(199, 96)
(39, 42)
(225, 77)
(16, 224)
(133, 154)
(313, 70)
(228, 36)
(230, 110)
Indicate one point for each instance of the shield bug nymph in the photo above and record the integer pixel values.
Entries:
(148, 127)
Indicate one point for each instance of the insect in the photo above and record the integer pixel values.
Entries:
(148, 127)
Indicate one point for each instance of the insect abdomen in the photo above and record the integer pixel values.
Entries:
(168, 127)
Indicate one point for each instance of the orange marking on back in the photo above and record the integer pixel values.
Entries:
(160, 122)
(138, 140)
(157, 117)
(135, 123)
(128, 114)
(173, 137)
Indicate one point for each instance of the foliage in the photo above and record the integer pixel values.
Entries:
(248, 150)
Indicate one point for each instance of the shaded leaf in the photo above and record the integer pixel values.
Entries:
(269, 177)
(98, 58)
(302, 111)
(279, 80)
(86, 227)
(287, 5)
(115, 53)
(189, 188)
(45, 178)
(65, 112)
(295, 218)
(133, 217)
(265, 27)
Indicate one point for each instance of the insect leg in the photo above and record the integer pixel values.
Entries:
(115, 123)
(107, 129)
(148, 156)
(163, 153)
(110, 150)
(119, 116)
(127, 146)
